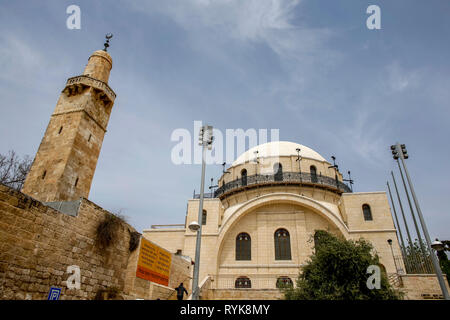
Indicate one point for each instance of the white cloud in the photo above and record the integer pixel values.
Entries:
(399, 79)
(17, 58)
(271, 22)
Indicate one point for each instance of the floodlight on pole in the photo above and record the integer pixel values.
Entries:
(206, 139)
(437, 245)
(194, 226)
(399, 150)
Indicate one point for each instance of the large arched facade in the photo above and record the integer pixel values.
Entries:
(261, 218)
(261, 225)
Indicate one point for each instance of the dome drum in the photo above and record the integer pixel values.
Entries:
(284, 178)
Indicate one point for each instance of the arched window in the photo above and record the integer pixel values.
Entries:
(313, 172)
(243, 247)
(244, 177)
(278, 171)
(242, 282)
(283, 282)
(367, 212)
(204, 215)
(282, 245)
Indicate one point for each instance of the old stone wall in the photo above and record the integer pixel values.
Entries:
(421, 286)
(38, 243)
(245, 294)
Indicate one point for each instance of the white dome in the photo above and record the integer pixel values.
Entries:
(280, 149)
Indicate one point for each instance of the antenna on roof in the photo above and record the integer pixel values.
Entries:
(349, 180)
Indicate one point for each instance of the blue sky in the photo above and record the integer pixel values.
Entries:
(310, 68)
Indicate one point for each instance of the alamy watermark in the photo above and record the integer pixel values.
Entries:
(74, 280)
(374, 280)
(74, 20)
(374, 20)
(225, 147)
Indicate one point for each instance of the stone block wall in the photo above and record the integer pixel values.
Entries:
(245, 294)
(38, 243)
(421, 286)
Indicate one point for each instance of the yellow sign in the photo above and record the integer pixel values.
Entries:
(154, 263)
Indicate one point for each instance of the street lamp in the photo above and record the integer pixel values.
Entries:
(393, 257)
(194, 226)
(437, 245)
(205, 140)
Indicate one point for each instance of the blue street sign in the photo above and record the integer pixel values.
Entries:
(54, 293)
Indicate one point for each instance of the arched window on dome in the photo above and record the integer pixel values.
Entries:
(244, 177)
(313, 172)
(204, 216)
(284, 282)
(278, 171)
(282, 245)
(243, 247)
(243, 283)
(367, 212)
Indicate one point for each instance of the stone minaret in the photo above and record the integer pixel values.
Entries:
(65, 162)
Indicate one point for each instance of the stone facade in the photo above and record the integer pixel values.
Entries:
(38, 243)
(39, 240)
(65, 163)
(422, 286)
(261, 209)
(51, 225)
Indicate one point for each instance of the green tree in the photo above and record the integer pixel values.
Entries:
(338, 271)
(443, 259)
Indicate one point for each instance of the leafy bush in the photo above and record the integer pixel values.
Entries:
(338, 271)
(107, 230)
(134, 240)
(110, 293)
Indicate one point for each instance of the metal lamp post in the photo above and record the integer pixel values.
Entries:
(399, 151)
(393, 256)
(437, 245)
(205, 140)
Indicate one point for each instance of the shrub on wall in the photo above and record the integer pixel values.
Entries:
(134, 240)
(110, 293)
(107, 230)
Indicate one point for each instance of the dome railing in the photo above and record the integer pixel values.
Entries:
(304, 178)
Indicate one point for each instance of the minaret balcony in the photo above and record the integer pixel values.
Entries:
(91, 82)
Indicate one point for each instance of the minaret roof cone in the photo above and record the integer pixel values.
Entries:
(99, 66)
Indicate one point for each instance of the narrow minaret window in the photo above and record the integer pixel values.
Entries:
(60, 130)
(44, 174)
(76, 182)
(90, 136)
